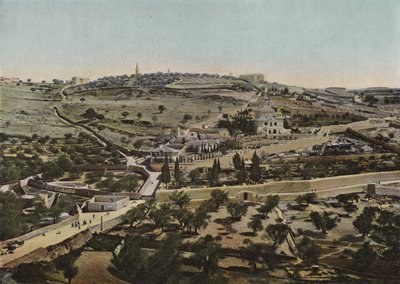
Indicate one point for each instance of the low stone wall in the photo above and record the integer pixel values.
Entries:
(96, 134)
(289, 188)
(53, 251)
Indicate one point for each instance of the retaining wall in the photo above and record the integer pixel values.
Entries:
(53, 251)
(40, 231)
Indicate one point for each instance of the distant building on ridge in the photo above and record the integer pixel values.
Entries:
(79, 81)
(253, 78)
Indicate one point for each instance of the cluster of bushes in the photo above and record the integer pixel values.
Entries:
(13, 223)
(241, 123)
(383, 227)
(72, 157)
(90, 113)
(20, 167)
(127, 183)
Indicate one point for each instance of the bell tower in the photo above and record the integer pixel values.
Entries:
(137, 70)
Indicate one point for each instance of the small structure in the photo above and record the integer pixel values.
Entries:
(101, 203)
(371, 189)
(314, 269)
(175, 131)
(163, 151)
(246, 196)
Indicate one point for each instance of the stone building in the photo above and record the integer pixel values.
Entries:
(270, 122)
(158, 154)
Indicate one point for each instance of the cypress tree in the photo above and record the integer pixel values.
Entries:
(236, 161)
(165, 174)
(213, 175)
(242, 173)
(177, 172)
(255, 171)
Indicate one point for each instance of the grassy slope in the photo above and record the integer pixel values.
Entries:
(30, 112)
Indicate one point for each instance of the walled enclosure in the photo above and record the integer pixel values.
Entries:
(290, 189)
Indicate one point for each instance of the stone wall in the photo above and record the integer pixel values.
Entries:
(95, 133)
(290, 189)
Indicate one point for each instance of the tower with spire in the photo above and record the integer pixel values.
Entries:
(137, 70)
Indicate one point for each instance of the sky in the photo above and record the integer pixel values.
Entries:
(309, 43)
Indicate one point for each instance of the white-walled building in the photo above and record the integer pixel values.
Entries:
(270, 122)
(101, 203)
(159, 153)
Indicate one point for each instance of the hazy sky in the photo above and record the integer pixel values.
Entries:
(353, 43)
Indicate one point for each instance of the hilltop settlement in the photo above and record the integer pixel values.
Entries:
(198, 178)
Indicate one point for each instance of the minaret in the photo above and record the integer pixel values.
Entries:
(137, 71)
